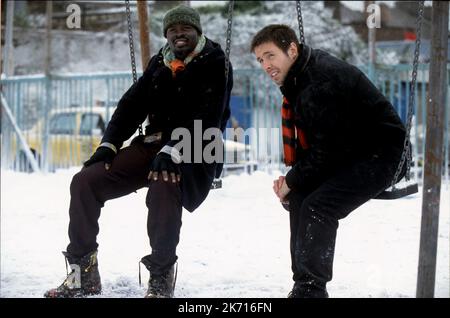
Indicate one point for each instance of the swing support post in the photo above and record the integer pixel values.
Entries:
(144, 32)
(433, 151)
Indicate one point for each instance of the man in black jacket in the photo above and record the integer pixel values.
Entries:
(343, 140)
(183, 86)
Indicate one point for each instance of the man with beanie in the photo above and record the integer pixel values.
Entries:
(341, 136)
(183, 83)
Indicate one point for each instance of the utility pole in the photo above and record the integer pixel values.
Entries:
(436, 109)
(371, 39)
(48, 38)
(8, 62)
(0, 32)
(144, 32)
(48, 87)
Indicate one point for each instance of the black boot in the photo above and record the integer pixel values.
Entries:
(308, 290)
(88, 282)
(160, 285)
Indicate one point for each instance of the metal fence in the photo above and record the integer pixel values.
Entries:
(63, 117)
(394, 83)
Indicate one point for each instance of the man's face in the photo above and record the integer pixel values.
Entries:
(182, 39)
(274, 61)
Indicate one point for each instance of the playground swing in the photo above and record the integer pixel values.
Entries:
(217, 183)
(406, 157)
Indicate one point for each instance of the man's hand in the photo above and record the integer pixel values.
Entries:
(280, 188)
(104, 154)
(277, 184)
(164, 164)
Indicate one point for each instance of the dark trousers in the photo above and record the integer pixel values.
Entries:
(314, 216)
(93, 186)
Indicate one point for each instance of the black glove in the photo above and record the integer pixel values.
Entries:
(164, 164)
(104, 154)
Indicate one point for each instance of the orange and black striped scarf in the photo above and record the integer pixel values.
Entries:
(291, 133)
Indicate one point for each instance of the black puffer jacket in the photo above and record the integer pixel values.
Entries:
(197, 93)
(344, 116)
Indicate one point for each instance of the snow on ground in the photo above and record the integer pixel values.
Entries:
(235, 245)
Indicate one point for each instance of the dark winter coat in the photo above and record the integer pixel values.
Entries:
(197, 93)
(344, 116)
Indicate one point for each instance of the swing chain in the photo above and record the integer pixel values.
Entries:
(228, 40)
(406, 155)
(131, 44)
(300, 21)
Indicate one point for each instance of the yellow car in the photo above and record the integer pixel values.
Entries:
(74, 134)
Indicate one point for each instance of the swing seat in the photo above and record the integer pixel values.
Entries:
(398, 193)
(217, 184)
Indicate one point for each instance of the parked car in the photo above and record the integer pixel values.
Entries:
(74, 133)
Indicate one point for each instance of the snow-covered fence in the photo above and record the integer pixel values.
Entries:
(80, 106)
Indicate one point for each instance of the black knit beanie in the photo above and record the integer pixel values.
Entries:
(181, 15)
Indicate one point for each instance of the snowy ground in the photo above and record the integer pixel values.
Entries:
(235, 245)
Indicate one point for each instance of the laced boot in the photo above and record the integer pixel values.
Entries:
(83, 280)
(160, 286)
